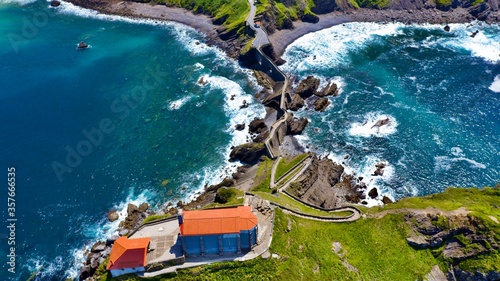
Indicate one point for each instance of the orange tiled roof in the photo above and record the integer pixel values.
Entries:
(218, 221)
(128, 253)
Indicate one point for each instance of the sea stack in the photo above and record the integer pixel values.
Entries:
(82, 45)
(55, 3)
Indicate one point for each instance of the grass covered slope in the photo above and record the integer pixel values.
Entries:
(372, 248)
(230, 13)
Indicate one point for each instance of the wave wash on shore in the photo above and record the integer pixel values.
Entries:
(437, 88)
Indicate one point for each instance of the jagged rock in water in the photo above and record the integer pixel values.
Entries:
(297, 103)
(380, 169)
(248, 153)
(321, 104)
(307, 87)
(382, 122)
(239, 127)
(330, 90)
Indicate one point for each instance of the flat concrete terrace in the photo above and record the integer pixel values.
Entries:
(164, 243)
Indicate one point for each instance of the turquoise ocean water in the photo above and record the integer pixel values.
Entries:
(131, 110)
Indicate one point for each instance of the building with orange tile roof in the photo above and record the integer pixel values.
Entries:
(128, 255)
(218, 231)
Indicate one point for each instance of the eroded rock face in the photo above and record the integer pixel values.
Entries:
(321, 104)
(307, 87)
(239, 127)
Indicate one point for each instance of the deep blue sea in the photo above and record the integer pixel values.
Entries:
(89, 131)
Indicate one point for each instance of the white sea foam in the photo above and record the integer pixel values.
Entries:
(19, 2)
(330, 47)
(367, 128)
(495, 85)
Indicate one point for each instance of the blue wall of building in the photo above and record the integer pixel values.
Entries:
(209, 244)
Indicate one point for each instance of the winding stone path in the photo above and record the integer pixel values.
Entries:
(261, 38)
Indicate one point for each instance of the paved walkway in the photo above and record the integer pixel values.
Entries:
(261, 38)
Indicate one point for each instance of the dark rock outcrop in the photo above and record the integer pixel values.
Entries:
(309, 18)
(239, 127)
(261, 137)
(55, 3)
(85, 272)
(98, 247)
(307, 87)
(248, 152)
(321, 104)
(296, 126)
(317, 185)
(382, 122)
(459, 274)
(257, 126)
